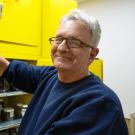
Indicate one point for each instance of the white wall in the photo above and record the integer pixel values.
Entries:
(117, 46)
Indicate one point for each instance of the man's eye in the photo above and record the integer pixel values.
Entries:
(58, 40)
(75, 42)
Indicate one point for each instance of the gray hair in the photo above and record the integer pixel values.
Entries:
(91, 23)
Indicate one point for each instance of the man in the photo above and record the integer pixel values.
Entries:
(67, 98)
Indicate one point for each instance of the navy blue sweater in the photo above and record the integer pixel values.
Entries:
(84, 107)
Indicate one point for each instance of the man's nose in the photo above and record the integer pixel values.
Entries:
(63, 46)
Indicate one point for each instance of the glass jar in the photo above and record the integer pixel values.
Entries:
(19, 109)
(24, 108)
(8, 113)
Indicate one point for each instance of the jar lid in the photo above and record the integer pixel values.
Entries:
(24, 106)
(8, 109)
(19, 104)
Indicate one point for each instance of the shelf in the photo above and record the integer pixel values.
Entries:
(9, 124)
(12, 93)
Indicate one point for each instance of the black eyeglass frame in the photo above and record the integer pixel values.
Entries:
(82, 44)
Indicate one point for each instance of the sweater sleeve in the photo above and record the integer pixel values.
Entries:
(23, 75)
(94, 118)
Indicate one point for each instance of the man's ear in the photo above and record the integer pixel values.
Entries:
(93, 53)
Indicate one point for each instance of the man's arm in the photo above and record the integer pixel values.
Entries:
(3, 65)
(24, 76)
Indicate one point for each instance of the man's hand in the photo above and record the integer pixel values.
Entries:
(3, 65)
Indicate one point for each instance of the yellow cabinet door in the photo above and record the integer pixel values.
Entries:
(20, 28)
(52, 11)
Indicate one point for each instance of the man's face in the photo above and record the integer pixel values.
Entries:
(72, 59)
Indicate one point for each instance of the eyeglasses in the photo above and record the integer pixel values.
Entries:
(71, 42)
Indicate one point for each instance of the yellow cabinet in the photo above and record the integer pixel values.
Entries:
(27, 25)
(20, 29)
